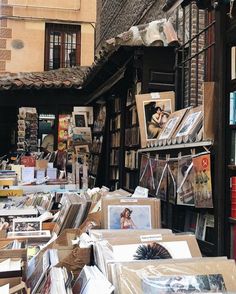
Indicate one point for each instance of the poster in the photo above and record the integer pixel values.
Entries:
(202, 181)
(63, 131)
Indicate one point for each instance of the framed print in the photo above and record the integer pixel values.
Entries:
(80, 119)
(125, 217)
(126, 213)
(171, 125)
(88, 110)
(26, 224)
(154, 110)
(82, 136)
(191, 123)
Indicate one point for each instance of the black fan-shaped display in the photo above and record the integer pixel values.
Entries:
(151, 251)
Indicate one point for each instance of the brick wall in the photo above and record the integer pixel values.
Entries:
(117, 16)
(5, 33)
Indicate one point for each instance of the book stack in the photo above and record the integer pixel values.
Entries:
(8, 178)
(233, 197)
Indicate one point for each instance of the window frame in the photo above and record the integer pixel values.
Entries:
(62, 29)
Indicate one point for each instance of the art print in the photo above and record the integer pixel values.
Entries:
(81, 136)
(26, 224)
(172, 180)
(161, 178)
(129, 217)
(80, 119)
(185, 187)
(213, 283)
(99, 122)
(146, 174)
(155, 116)
(191, 123)
(88, 110)
(202, 181)
(153, 110)
(152, 250)
(81, 149)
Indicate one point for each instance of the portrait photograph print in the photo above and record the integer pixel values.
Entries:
(154, 110)
(129, 217)
(26, 224)
(80, 119)
(172, 124)
(191, 123)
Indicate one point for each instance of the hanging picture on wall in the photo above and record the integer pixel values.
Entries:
(146, 174)
(202, 181)
(80, 119)
(154, 110)
(191, 123)
(185, 180)
(171, 125)
(82, 136)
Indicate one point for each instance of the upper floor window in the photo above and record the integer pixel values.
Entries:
(62, 46)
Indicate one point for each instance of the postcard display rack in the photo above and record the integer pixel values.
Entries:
(27, 129)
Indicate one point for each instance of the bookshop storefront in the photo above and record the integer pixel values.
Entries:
(140, 168)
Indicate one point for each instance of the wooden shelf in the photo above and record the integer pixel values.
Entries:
(177, 146)
(132, 146)
(118, 147)
(129, 190)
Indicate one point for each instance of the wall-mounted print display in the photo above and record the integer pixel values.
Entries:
(146, 174)
(100, 119)
(80, 119)
(185, 180)
(81, 149)
(202, 181)
(154, 110)
(172, 124)
(191, 123)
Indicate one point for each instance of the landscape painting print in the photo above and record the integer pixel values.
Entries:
(213, 283)
(202, 181)
(129, 217)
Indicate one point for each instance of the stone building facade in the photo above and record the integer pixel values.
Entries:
(23, 34)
